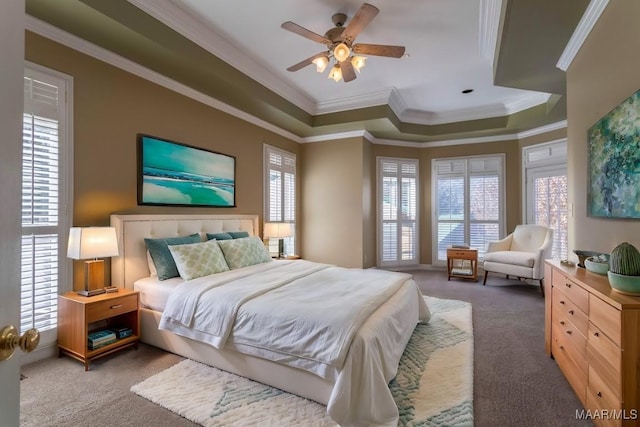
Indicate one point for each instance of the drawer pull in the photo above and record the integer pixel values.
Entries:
(562, 302)
(571, 312)
(596, 334)
(562, 322)
(599, 394)
(113, 307)
(569, 332)
(561, 347)
(568, 285)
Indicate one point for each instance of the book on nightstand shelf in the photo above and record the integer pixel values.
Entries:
(101, 338)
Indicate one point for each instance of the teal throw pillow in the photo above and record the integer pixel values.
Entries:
(161, 256)
(239, 234)
(219, 236)
(244, 252)
(198, 259)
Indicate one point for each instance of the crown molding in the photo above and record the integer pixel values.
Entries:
(542, 129)
(530, 101)
(584, 27)
(490, 11)
(372, 99)
(67, 39)
(194, 29)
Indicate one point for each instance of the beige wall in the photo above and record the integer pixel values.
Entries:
(111, 106)
(332, 202)
(369, 210)
(604, 73)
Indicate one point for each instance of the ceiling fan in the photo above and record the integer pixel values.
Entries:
(339, 41)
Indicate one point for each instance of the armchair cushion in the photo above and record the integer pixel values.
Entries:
(522, 259)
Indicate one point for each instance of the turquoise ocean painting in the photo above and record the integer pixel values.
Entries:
(177, 174)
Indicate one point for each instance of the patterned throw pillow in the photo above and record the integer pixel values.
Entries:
(198, 259)
(159, 251)
(244, 252)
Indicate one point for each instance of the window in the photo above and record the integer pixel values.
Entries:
(45, 198)
(397, 211)
(468, 200)
(545, 168)
(280, 193)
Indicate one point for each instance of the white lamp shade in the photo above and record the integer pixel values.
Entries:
(277, 230)
(92, 242)
(321, 63)
(341, 52)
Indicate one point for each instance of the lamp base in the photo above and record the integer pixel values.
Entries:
(90, 292)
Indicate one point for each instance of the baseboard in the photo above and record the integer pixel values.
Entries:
(42, 352)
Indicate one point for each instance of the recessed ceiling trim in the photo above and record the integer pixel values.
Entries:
(524, 103)
(489, 27)
(542, 129)
(372, 99)
(178, 19)
(67, 39)
(586, 24)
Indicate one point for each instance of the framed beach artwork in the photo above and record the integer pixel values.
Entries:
(614, 162)
(175, 174)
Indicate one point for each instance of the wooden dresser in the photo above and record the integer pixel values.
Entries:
(593, 333)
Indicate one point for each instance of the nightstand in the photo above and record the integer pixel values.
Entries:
(462, 270)
(78, 316)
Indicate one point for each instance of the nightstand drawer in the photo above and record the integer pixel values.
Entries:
(606, 318)
(111, 307)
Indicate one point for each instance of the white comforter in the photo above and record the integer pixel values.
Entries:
(310, 316)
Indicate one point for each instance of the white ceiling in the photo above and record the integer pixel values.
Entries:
(442, 39)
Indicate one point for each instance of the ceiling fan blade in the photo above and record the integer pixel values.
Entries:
(363, 16)
(306, 62)
(348, 73)
(301, 31)
(378, 50)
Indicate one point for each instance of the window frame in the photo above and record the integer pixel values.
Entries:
(65, 184)
(289, 243)
(466, 174)
(380, 221)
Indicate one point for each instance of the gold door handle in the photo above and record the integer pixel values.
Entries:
(9, 340)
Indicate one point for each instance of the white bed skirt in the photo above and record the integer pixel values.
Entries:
(292, 380)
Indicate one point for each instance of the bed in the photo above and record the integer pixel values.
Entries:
(356, 393)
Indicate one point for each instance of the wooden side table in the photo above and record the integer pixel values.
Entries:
(462, 271)
(79, 315)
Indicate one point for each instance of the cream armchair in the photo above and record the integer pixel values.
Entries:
(520, 254)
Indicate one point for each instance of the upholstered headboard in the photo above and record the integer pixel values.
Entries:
(131, 231)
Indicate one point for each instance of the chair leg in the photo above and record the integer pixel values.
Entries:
(542, 287)
(485, 278)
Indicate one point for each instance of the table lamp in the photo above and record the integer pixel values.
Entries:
(91, 243)
(278, 230)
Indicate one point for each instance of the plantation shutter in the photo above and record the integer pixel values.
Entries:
(468, 200)
(44, 222)
(398, 211)
(546, 191)
(280, 193)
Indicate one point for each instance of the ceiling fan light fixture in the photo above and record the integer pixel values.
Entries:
(335, 73)
(358, 62)
(341, 52)
(321, 63)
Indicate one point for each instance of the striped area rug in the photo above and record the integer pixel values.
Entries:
(434, 385)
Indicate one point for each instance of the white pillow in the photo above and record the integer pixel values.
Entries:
(152, 266)
(198, 259)
(244, 252)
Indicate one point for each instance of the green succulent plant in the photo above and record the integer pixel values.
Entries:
(625, 260)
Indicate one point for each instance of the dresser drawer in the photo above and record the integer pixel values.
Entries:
(571, 290)
(599, 395)
(571, 341)
(605, 357)
(567, 309)
(606, 318)
(576, 378)
(111, 307)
